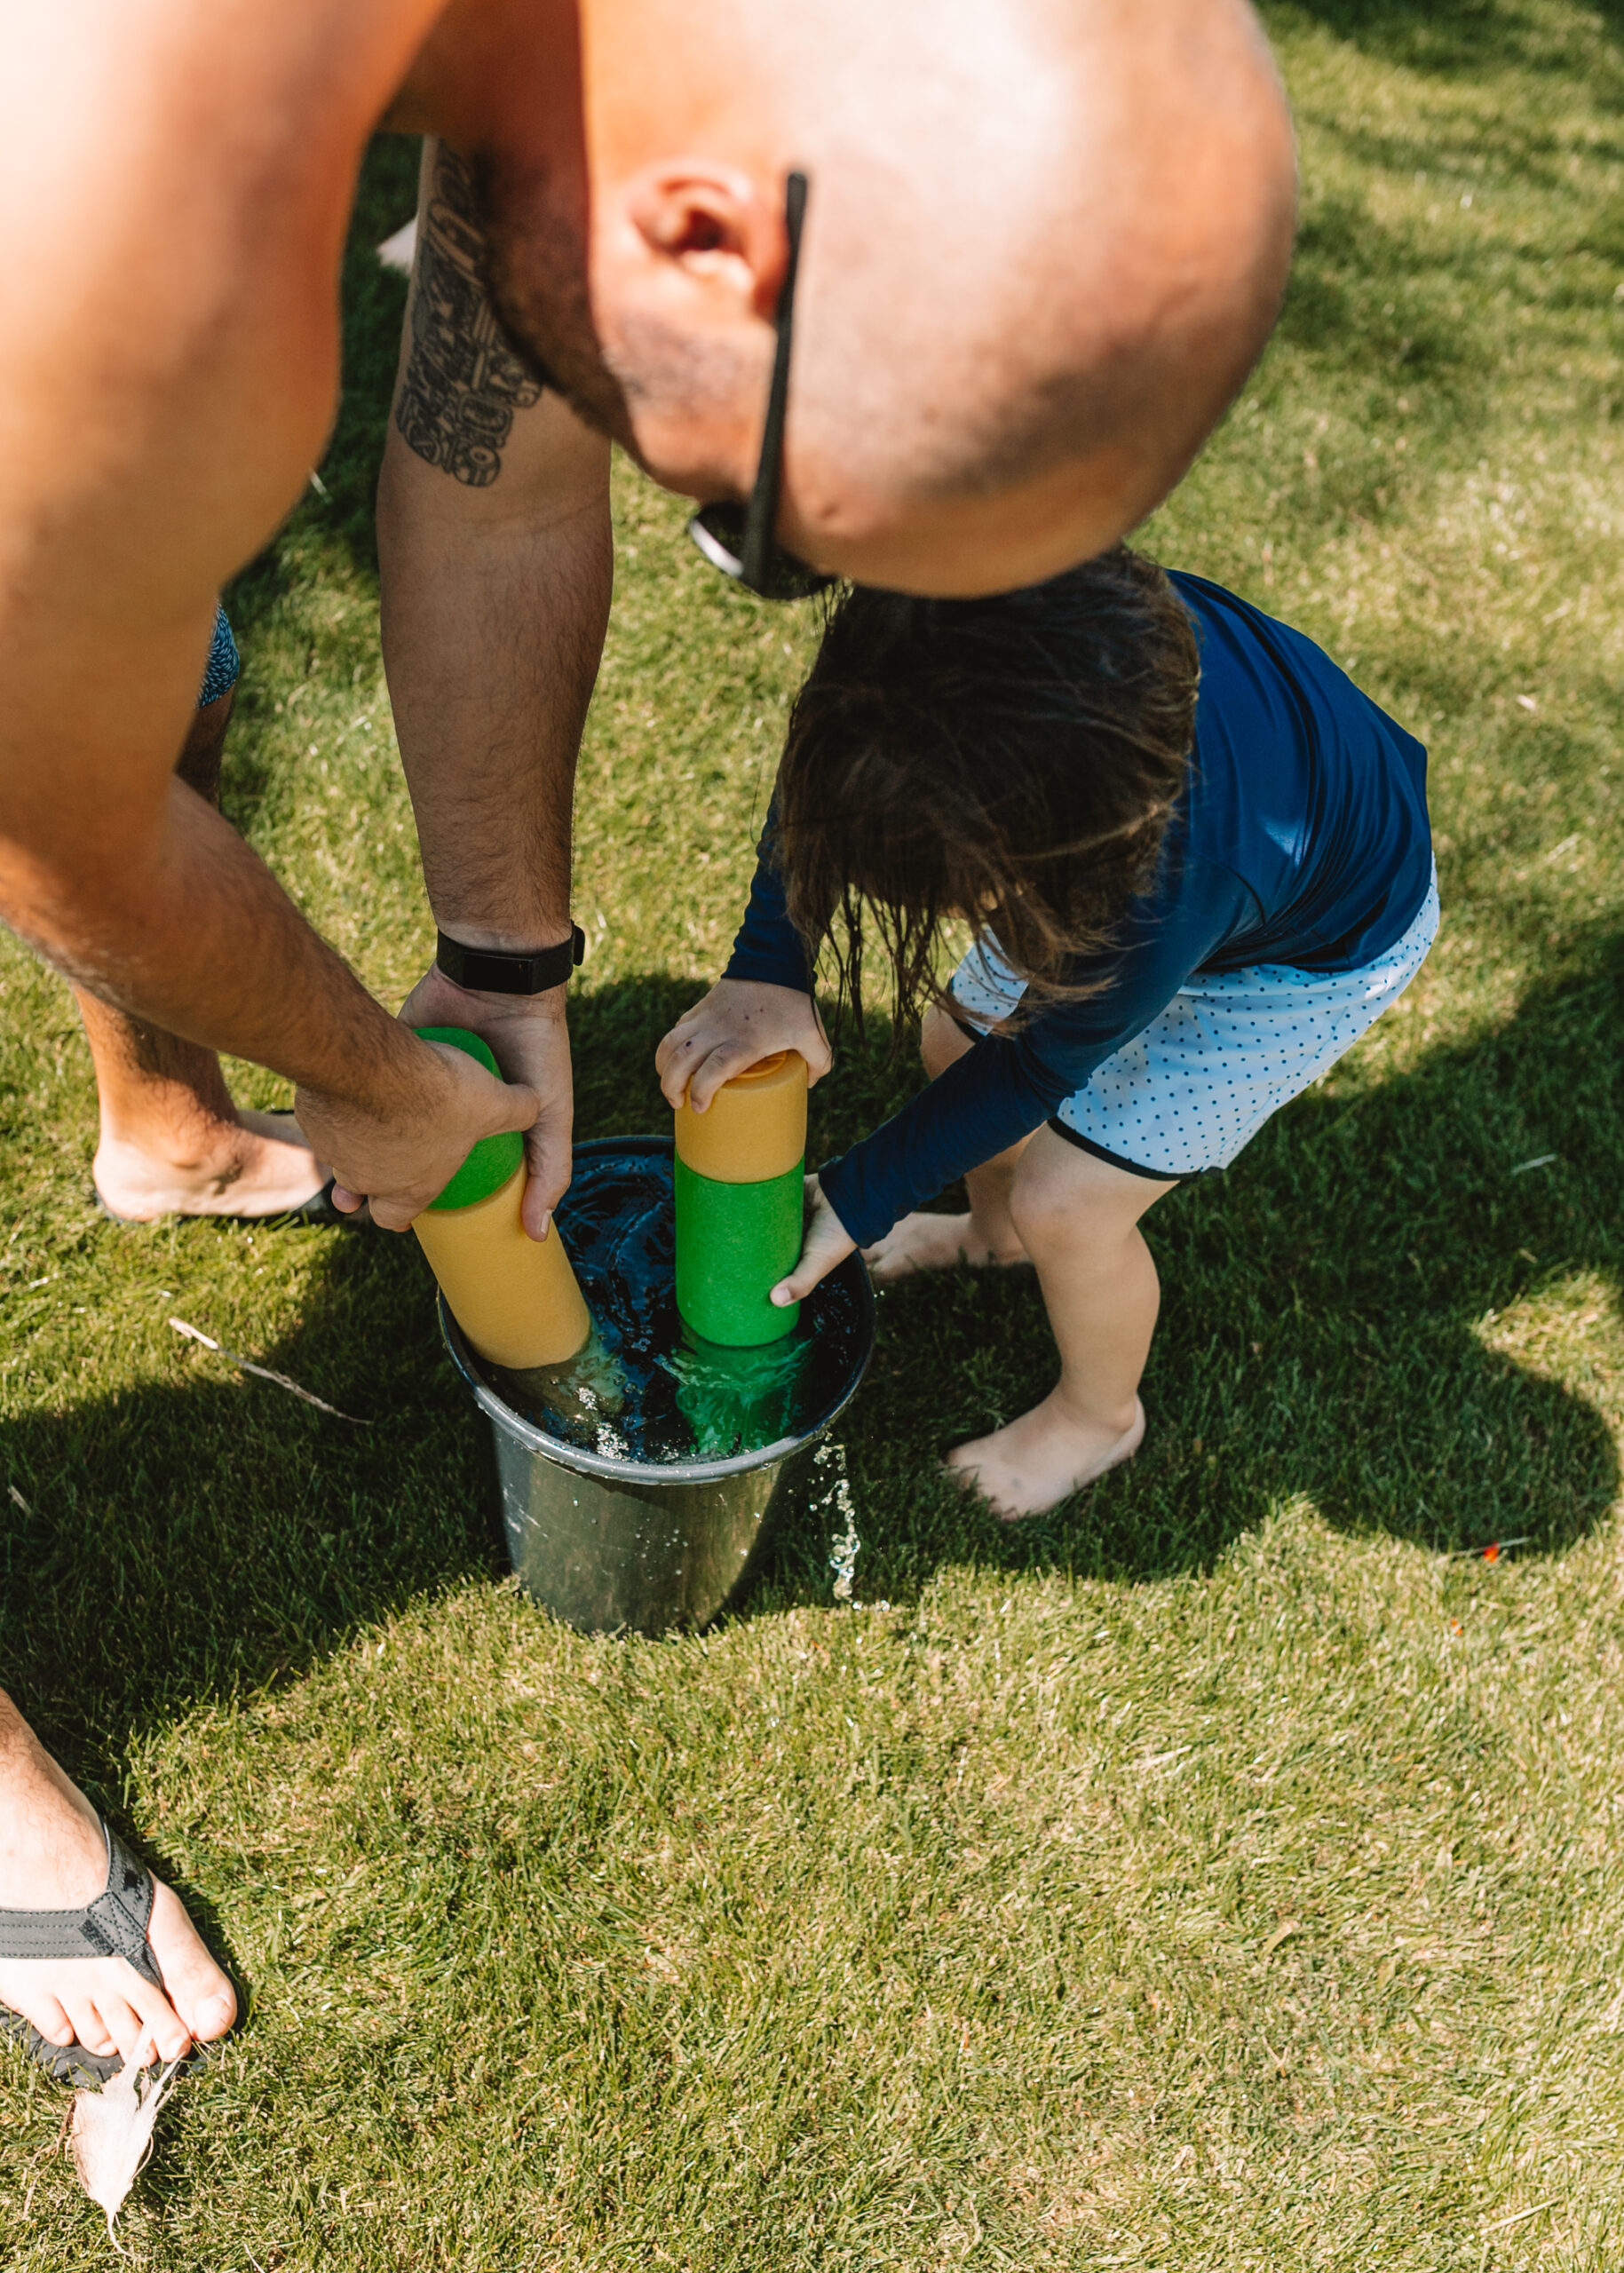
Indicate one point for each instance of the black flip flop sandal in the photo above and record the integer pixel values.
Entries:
(114, 1925)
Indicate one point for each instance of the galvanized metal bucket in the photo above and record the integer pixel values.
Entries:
(609, 1544)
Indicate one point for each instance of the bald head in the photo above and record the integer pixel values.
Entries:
(1045, 241)
(1014, 339)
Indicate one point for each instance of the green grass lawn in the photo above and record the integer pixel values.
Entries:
(1217, 1874)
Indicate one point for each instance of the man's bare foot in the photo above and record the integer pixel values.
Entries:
(258, 1165)
(937, 1243)
(52, 1856)
(1036, 1462)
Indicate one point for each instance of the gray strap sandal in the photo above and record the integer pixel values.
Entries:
(114, 1925)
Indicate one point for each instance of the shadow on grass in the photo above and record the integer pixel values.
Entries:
(1329, 1310)
(172, 1545)
(180, 1543)
(1320, 1336)
(1448, 38)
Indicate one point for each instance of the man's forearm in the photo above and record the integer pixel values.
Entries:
(492, 641)
(496, 570)
(182, 924)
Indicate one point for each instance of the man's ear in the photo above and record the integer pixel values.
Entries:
(715, 222)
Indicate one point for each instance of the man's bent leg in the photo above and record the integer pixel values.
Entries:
(172, 1142)
(52, 1857)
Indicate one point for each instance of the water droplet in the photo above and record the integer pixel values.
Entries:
(844, 1549)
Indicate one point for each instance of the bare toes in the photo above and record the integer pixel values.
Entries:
(90, 2027)
(51, 2022)
(199, 1991)
(152, 2015)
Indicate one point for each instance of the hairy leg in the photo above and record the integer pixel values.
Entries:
(52, 1857)
(1078, 1218)
(172, 1142)
(987, 1234)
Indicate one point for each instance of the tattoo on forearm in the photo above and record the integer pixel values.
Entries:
(463, 382)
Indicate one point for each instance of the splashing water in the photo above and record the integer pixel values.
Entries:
(845, 1551)
(644, 1389)
(579, 1400)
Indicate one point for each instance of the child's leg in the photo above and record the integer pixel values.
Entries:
(1077, 1216)
(987, 1234)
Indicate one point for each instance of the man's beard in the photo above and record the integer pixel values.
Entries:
(536, 273)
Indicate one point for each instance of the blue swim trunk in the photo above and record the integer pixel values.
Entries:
(224, 662)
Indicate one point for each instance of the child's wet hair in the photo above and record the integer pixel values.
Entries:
(1011, 761)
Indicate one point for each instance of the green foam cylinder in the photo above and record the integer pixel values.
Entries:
(734, 1242)
(493, 1158)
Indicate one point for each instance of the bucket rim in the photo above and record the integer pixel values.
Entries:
(601, 1465)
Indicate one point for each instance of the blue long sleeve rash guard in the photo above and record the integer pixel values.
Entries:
(1301, 837)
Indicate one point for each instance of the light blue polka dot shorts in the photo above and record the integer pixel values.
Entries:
(1229, 1050)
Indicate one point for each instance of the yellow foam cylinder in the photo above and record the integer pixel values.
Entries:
(754, 1128)
(515, 1298)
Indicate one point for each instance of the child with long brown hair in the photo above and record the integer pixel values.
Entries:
(1196, 865)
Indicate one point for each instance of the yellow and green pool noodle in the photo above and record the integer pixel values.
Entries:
(740, 1178)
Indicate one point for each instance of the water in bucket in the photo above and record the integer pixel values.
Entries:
(644, 1388)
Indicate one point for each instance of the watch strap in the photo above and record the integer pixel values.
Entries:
(487, 970)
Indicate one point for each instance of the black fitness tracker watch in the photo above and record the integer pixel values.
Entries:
(483, 970)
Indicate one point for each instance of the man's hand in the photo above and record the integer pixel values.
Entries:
(739, 1023)
(529, 1038)
(403, 1158)
(827, 1243)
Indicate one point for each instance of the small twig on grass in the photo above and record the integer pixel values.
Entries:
(17, 1496)
(1492, 1552)
(1517, 2216)
(1543, 1162)
(264, 1373)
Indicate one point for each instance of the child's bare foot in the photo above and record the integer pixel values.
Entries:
(52, 1857)
(258, 1165)
(938, 1243)
(1040, 1460)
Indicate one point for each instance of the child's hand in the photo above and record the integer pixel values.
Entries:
(827, 1242)
(739, 1022)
